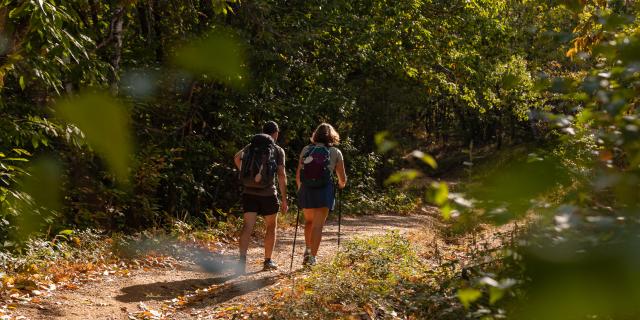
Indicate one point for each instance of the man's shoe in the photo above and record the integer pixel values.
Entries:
(269, 265)
(241, 267)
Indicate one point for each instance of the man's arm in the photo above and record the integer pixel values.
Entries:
(282, 184)
(237, 159)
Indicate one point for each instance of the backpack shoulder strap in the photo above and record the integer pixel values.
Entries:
(308, 149)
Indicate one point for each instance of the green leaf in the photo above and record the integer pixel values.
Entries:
(218, 55)
(468, 295)
(384, 144)
(584, 116)
(428, 159)
(441, 194)
(496, 289)
(446, 211)
(104, 123)
(35, 142)
(403, 175)
(22, 84)
(66, 232)
(21, 151)
(495, 294)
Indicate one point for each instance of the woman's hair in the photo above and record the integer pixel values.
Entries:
(325, 133)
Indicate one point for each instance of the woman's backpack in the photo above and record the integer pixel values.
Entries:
(315, 172)
(259, 165)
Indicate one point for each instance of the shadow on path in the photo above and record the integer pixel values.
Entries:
(234, 289)
(166, 290)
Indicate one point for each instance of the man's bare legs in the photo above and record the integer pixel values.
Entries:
(247, 229)
(271, 222)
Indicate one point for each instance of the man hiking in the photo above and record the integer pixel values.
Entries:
(259, 162)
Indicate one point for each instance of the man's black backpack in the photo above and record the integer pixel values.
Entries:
(259, 165)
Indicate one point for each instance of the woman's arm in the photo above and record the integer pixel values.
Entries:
(298, 173)
(342, 175)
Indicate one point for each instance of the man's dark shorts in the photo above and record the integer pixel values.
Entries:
(263, 205)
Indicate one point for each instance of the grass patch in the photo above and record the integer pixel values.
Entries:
(379, 277)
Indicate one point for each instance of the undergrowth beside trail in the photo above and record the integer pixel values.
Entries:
(379, 277)
(420, 276)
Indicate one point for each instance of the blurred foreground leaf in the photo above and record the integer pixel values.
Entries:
(218, 55)
(43, 183)
(508, 192)
(468, 296)
(438, 194)
(383, 143)
(105, 123)
(428, 159)
(403, 176)
(40, 198)
(574, 278)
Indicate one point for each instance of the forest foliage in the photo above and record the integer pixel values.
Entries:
(162, 93)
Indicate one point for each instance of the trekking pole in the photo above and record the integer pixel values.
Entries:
(339, 214)
(295, 235)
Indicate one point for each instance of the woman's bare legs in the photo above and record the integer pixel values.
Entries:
(308, 224)
(319, 217)
(314, 219)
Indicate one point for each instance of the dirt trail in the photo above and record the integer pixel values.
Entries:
(152, 290)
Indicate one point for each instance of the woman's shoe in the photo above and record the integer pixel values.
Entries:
(305, 256)
(311, 261)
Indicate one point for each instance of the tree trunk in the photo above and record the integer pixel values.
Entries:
(157, 28)
(144, 17)
(116, 30)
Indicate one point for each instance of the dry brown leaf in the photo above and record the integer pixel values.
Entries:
(71, 286)
(370, 311)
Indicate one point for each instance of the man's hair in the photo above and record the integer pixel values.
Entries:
(325, 133)
(270, 127)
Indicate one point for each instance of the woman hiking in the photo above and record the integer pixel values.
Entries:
(316, 190)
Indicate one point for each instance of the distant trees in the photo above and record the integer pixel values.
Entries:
(435, 74)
